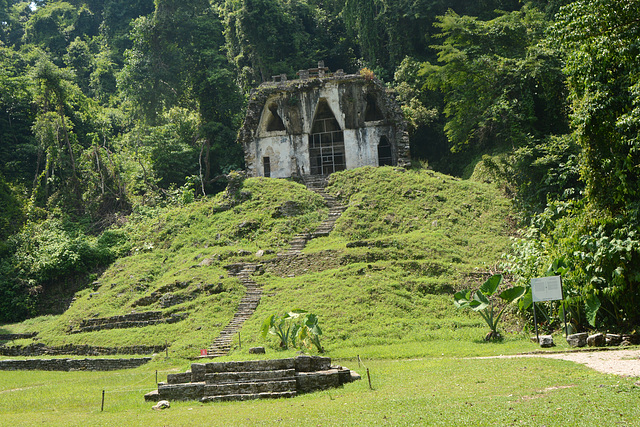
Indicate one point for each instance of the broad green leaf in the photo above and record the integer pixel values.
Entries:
(480, 301)
(461, 298)
(266, 325)
(526, 300)
(512, 294)
(489, 287)
(592, 305)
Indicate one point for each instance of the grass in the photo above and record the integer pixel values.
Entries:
(384, 277)
(381, 283)
(430, 391)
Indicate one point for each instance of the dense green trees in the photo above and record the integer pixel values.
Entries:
(600, 39)
(596, 233)
(499, 84)
(110, 106)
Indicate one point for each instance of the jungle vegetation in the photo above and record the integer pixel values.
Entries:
(113, 108)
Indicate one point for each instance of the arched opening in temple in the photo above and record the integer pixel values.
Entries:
(326, 142)
(274, 122)
(372, 113)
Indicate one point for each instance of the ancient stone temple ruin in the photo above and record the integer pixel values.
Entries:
(322, 123)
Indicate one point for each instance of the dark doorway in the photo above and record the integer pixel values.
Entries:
(372, 112)
(266, 164)
(274, 122)
(384, 152)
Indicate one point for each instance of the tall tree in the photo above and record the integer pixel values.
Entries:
(499, 85)
(177, 61)
(600, 38)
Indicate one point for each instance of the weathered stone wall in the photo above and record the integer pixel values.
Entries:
(252, 379)
(72, 364)
(79, 350)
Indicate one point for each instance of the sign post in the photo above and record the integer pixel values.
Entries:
(547, 289)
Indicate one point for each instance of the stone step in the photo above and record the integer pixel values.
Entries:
(250, 387)
(256, 365)
(254, 396)
(252, 376)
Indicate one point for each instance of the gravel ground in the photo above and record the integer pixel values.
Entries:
(617, 362)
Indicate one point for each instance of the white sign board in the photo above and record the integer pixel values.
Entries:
(546, 289)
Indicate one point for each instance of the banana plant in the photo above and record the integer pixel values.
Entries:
(480, 301)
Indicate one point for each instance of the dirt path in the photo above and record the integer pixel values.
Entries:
(617, 362)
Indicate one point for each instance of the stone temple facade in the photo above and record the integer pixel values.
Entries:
(322, 123)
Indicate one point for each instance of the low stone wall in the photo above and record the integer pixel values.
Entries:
(72, 364)
(133, 317)
(11, 337)
(134, 320)
(78, 350)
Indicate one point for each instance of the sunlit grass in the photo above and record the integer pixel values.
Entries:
(427, 391)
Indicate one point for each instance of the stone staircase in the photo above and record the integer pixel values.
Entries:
(248, 304)
(254, 379)
(222, 344)
(317, 184)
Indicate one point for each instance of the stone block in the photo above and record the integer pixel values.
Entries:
(311, 381)
(198, 371)
(257, 350)
(546, 341)
(189, 391)
(228, 377)
(181, 378)
(344, 376)
(305, 363)
(613, 339)
(577, 340)
(250, 387)
(596, 340)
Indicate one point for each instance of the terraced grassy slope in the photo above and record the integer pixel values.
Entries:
(381, 280)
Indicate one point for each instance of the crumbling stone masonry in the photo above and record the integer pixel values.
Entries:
(39, 349)
(322, 123)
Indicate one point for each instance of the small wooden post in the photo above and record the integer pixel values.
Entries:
(358, 361)
(102, 406)
(239, 341)
(166, 348)
(156, 377)
(369, 377)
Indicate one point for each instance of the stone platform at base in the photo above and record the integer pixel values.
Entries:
(254, 379)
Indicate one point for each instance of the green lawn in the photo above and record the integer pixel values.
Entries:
(446, 391)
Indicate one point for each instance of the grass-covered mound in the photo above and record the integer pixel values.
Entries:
(175, 265)
(381, 281)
